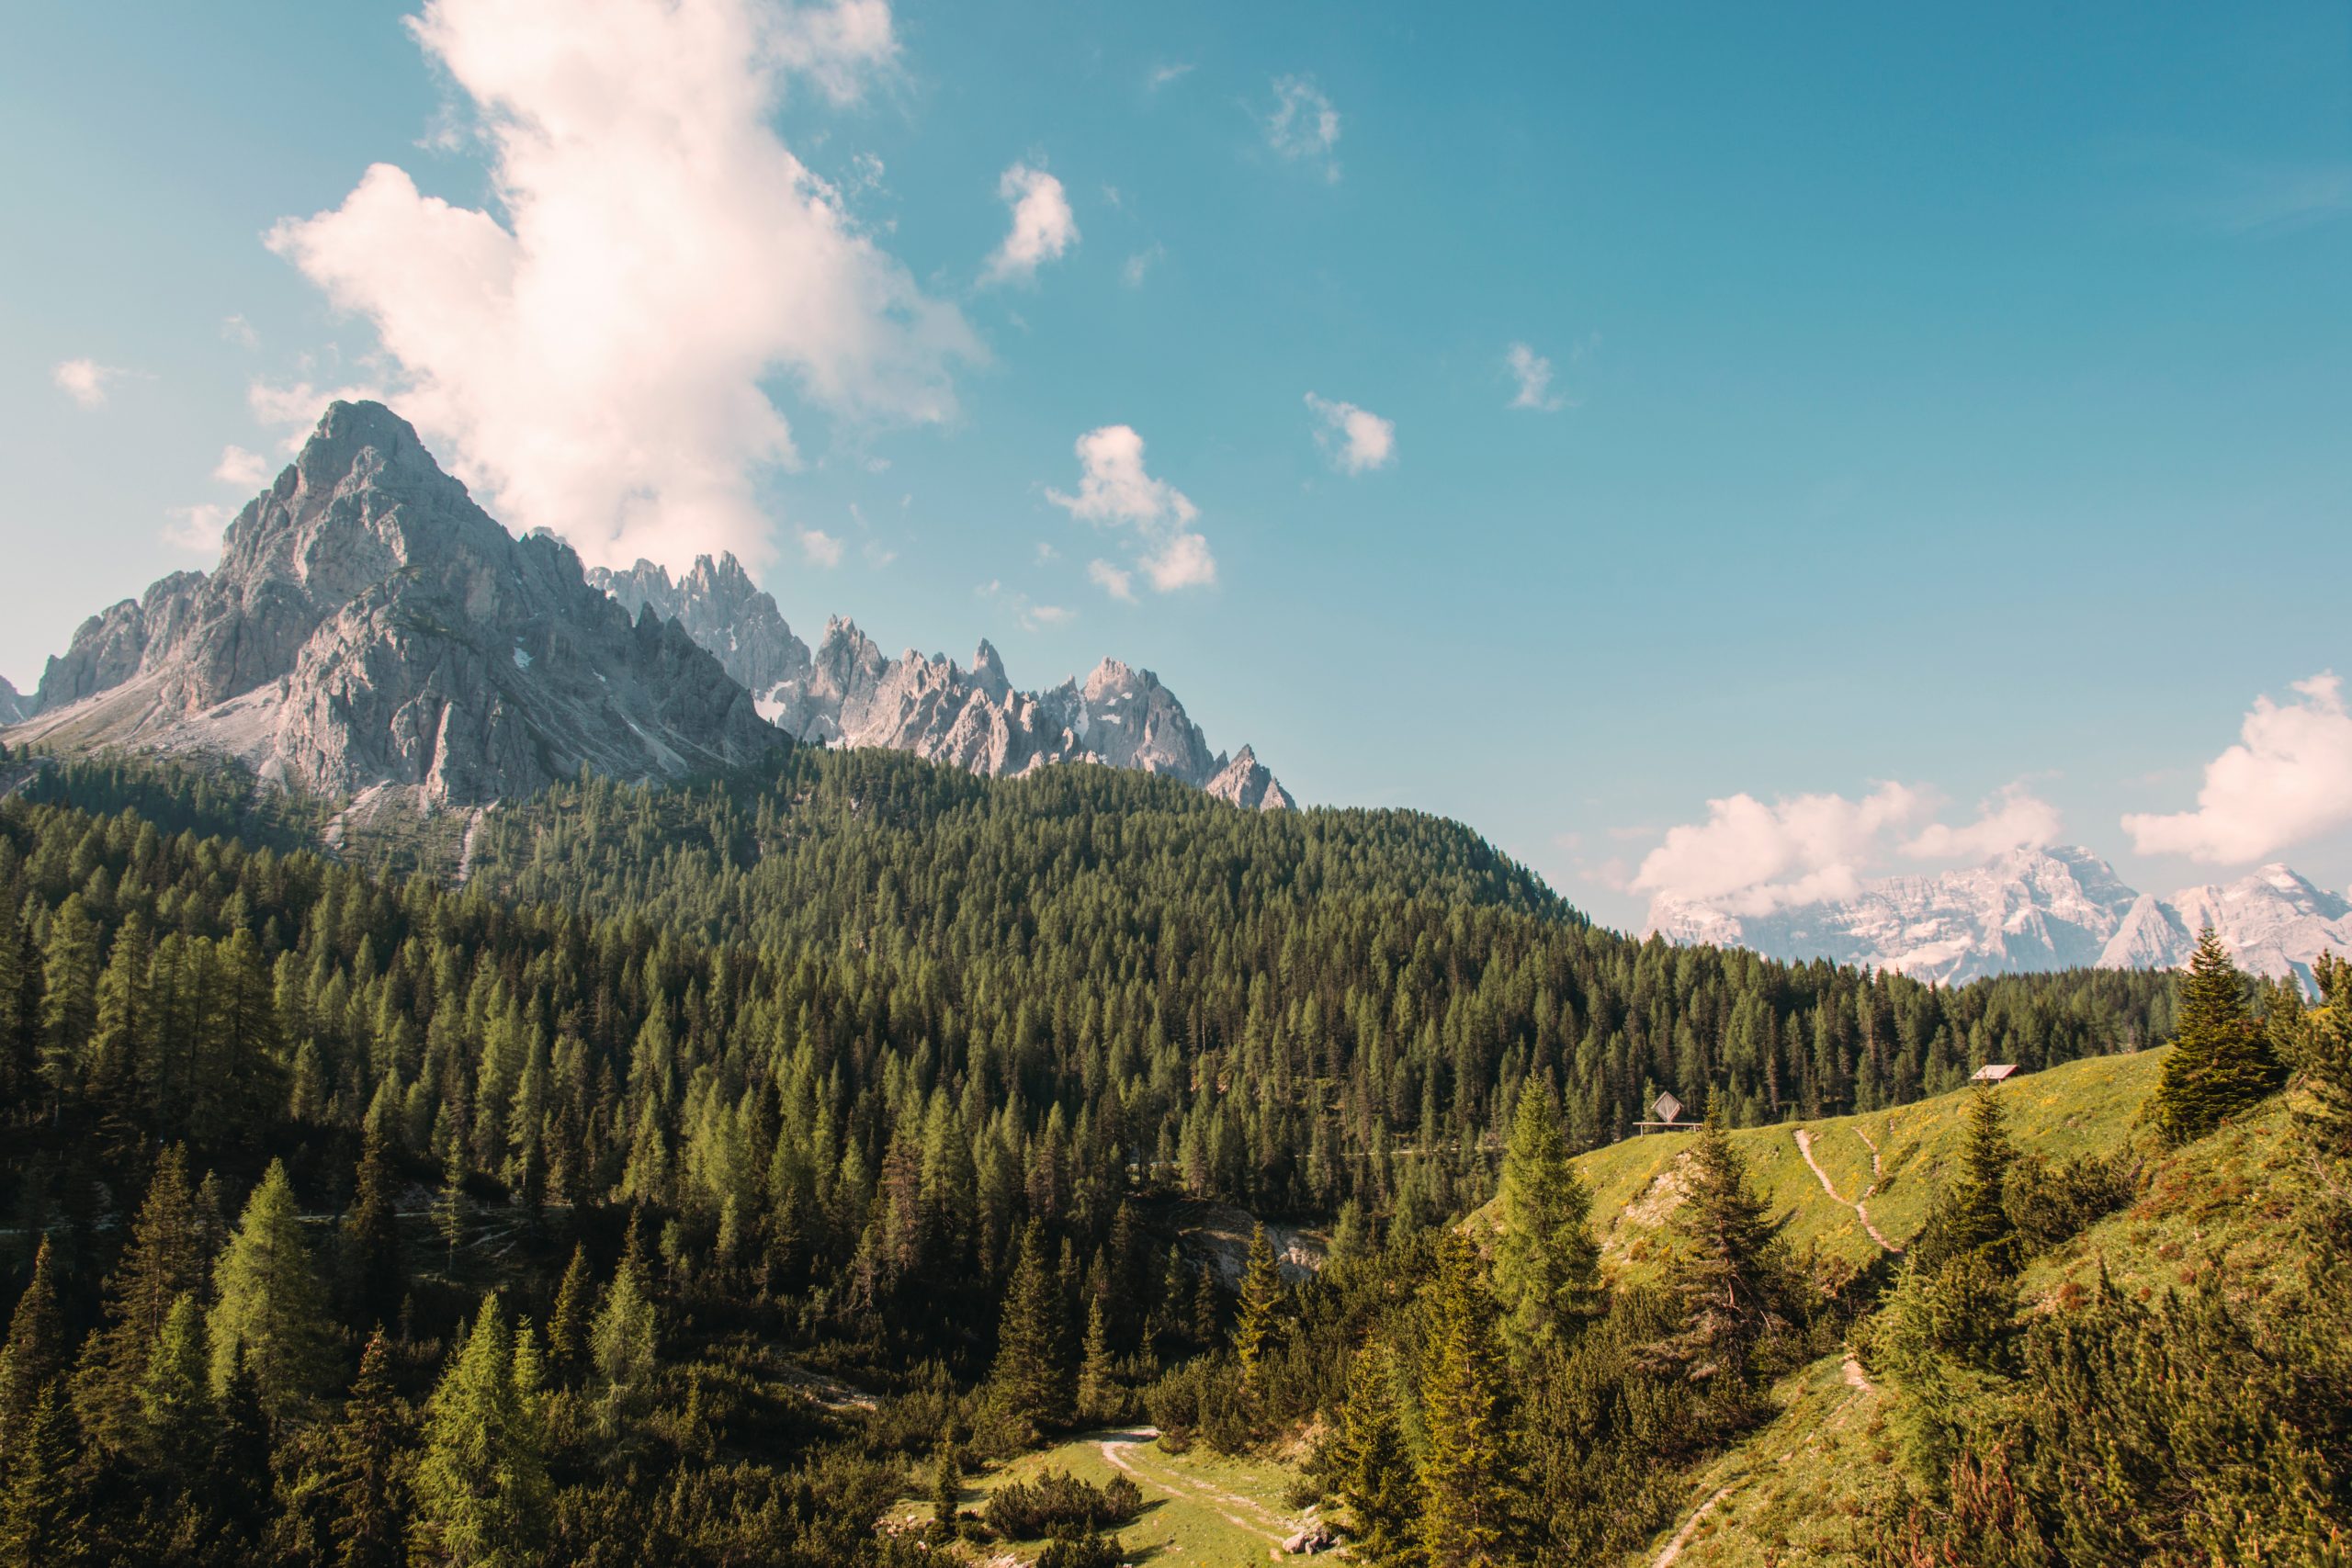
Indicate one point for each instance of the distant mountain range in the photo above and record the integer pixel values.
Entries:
(849, 693)
(2033, 909)
(371, 630)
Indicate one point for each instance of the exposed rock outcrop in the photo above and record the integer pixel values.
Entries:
(369, 625)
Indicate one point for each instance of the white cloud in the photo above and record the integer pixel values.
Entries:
(1043, 225)
(1046, 552)
(1139, 265)
(1035, 615)
(1748, 858)
(1115, 490)
(85, 380)
(1118, 583)
(2014, 819)
(246, 471)
(2289, 778)
(1356, 440)
(1163, 75)
(821, 548)
(878, 555)
(239, 330)
(1304, 127)
(1533, 373)
(596, 352)
(197, 528)
(296, 408)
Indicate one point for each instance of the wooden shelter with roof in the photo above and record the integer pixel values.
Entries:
(1993, 1072)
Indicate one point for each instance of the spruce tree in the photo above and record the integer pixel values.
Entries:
(163, 1263)
(625, 1336)
(1547, 1266)
(36, 1352)
(2221, 1061)
(371, 1240)
(1097, 1386)
(1028, 1380)
(362, 1481)
(482, 1486)
(43, 1520)
(1467, 1493)
(1724, 1268)
(269, 1309)
(1975, 1216)
(1373, 1466)
(568, 1325)
(1262, 1298)
(175, 1411)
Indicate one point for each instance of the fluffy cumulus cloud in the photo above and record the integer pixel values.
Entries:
(85, 381)
(1043, 225)
(821, 548)
(1750, 858)
(2014, 819)
(1303, 126)
(597, 353)
(197, 529)
(1532, 374)
(1356, 440)
(2289, 778)
(246, 471)
(1115, 490)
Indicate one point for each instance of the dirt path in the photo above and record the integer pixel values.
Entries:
(1115, 1453)
(1861, 1210)
(1690, 1526)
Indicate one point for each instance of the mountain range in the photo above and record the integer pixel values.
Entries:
(2033, 909)
(370, 628)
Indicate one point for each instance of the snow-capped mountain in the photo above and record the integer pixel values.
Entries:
(2031, 910)
(847, 692)
(369, 626)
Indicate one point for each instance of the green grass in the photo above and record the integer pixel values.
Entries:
(2083, 1107)
(1201, 1509)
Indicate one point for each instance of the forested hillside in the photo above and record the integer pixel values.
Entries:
(856, 1063)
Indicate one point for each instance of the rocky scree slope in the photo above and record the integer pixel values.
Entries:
(369, 626)
(847, 692)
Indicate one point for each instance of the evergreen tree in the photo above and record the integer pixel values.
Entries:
(1467, 1492)
(371, 1239)
(1262, 1298)
(1725, 1269)
(1974, 1217)
(625, 1336)
(568, 1325)
(163, 1264)
(269, 1310)
(69, 995)
(1097, 1385)
(36, 1349)
(2221, 1061)
(946, 1489)
(1547, 1266)
(362, 1481)
(1028, 1377)
(43, 1520)
(482, 1486)
(1374, 1467)
(177, 1416)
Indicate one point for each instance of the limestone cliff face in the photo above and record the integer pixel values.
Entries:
(369, 625)
(847, 692)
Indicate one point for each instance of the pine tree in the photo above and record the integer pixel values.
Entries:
(1547, 1266)
(1028, 1377)
(1262, 1298)
(36, 1349)
(946, 1489)
(1097, 1386)
(269, 1310)
(163, 1263)
(2221, 1061)
(1466, 1490)
(69, 995)
(567, 1326)
(371, 1239)
(625, 1336)
(1975, 1216)
(43, 1521)
(481, 1486)
(362, 1480)
(1375, 1467)
(175, 1411)
(1725, 1267)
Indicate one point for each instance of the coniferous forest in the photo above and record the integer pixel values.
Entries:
(693, 1174)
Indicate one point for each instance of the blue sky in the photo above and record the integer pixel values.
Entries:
(1955, 401)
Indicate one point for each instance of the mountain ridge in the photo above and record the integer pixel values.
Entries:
(2034, 909)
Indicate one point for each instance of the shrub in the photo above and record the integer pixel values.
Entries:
(1081, 1552)
(1056, 1502)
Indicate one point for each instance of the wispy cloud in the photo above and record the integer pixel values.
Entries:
(1043, 225)
(197, 529)
(87, 381)
(246, 471)
(1165, 75)
(1303, 126)
(1532, 374)
(820, 548)
(1355, 439)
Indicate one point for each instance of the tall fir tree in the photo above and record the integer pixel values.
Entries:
(1469, 1491)
(1029, 1380)
(1547, 1266)
(371, 1271)
(568, 1325)
(625, 1336)
(269, 1308)
(35, 1350)
(177, 1416)
(363, 1481)
(2222, 1061)
(482, 1486)
(1725, 1267)
(1373, 1466)
(163, 1264)
(1264, 1297)
(1097, 1383)
(44, 1519)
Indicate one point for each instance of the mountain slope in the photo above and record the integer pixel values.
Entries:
(847, 692)
(369, 625)
(2033, 909)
